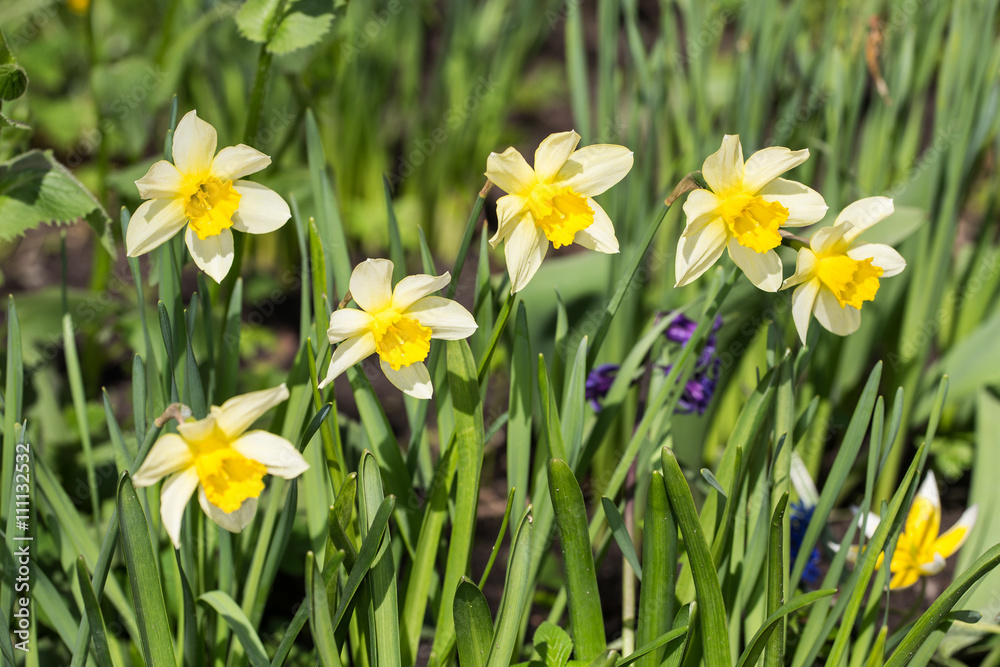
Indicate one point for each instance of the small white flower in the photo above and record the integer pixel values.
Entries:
(200, 190)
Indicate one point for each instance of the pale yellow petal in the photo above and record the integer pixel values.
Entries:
(698, 251)
(700, 208)
(768, 164)
(348, 353)
(511, 211)
(723, 170)
(600, 235)
(234, 522)
(803, 299)
(447, 319)
(234, 162)
(805, 205)
(524, 251)
(805, 268)
(883, 256)
(762, 268)
(169, 454)
(162, 181)
(862, 214)
(413, 380)
(240, 412)
(194, 145)
(594, 169)
(510, 172)
(371, 285)
(552, 153)
(347, 323)
(214, 254)
(155, 222)
(841, 321)
(413, 288)
(174, 496)
(279, 455)
(261, 210)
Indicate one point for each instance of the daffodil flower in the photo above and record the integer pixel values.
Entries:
(222, 461)
(397, 323)
(920, 550)
(553, 202)
(836, 275)
(743, 212)
(201, 190)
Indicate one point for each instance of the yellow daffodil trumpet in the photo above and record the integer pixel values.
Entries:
(203, 191)
(743, 212)
(398, 324)
(835, 275)
(220, 459)
(553, 201)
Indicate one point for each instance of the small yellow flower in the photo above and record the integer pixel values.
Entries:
(743, 212)
(201, 190)
(836, 275)
(226, 464)
(553, 202)
(78, 6)
(921, 551)
(398, 324)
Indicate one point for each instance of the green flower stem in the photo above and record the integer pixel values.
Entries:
(470, 227)
(498, 327)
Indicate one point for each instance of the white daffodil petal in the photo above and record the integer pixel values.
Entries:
(371, 285)
(553, 152)
(700, 208)
(348, 322)
(413, 288)
(240, 412)
(234, 162)
(869, 523)
(234, 522)
(803, 299)
(348, 353)
(162, 181)
(194, 145)
(593, 169)
(928, 492)
(829, 239)
(174, 497)
(155, 222)
(805, 205)
(723, 169)
(510, 171)
(697, 252)
(412, 380)
(767, 164)
(213, 254)
(805, 268)
(195, 431)
(600, 235)
(280, 456)
(841, 321)
(524, 251)
(864, 213)
(169, 454)
(261, 211)
(882, 256)
(447, 319)
(511, 210)
(933, 567)
(762, 268)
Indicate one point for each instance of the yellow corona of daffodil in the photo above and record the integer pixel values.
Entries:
(222, 461)
(921, 551)
(553, 202)
(836, 275)
(202, 190)
(743, 212)
(397, 323)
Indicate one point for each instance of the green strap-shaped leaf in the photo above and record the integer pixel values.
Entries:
(515, 595)
(98, 630)
(366, 555)
(319, 615)
(775, 656)
(585, 616)
(930, 619)
(618, 530)
(473, 625)
(756, 645)
(659, 577)
(144, 579)
(651, 649)
(237, 621)
(711, 608)
(683, 620)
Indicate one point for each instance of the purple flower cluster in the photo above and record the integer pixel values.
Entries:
(699, 388)
(800, 516)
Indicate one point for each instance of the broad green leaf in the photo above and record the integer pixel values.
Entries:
(254, 18)
(36, 189)
(585, 615)
(473, 625)
(303, 25)
(13, 81)
(237, 621)
(144, 579)
(711, 608)
(552, 644)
